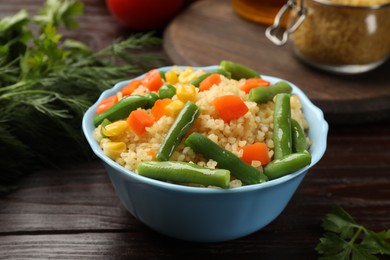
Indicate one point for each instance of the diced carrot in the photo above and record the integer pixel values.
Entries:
(255, 152)
(129, 88)
(153, 80)
(207, 83)
(106, 104)
(151, 152)
(254, 83)
(230, 107)
(138, 120)
(158, 109)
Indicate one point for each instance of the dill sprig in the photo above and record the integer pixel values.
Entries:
(47, 83)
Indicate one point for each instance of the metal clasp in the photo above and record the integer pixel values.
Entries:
(272, 31)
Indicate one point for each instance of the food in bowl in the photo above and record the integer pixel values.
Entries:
(206, 214)
(225, 128)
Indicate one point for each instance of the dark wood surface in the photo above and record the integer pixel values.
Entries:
(210, 31)
(73, 212)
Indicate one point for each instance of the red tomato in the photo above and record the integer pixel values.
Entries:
(144, 15)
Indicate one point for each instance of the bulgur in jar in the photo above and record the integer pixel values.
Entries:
(345, 36)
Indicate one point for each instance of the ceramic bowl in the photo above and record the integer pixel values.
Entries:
(207, 214)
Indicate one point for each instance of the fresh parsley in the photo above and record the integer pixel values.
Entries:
(346, 239)
(47, 83)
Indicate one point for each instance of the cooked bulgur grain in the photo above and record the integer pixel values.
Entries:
(255, 126)
(333, 35)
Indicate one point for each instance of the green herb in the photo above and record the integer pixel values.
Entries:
(47, 83)
(346, 239)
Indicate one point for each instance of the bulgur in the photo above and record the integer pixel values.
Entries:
(255, 126)
(344, 35)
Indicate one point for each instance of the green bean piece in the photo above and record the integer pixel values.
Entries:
(299, 142)
(166, 91)
(183, 172)
(288, 164)
(162, 75)
(199, 79)
(182, 124)
(265, 94)
(202, 77)
(223, 72)
(239, 71)
(151, 99)
(225, 159)
(282, 126)
(121, 109)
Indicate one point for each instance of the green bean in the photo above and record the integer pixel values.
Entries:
(180, 127)
(238, 71)
(151, 99)
(121, 109)
(225, 159)
(183, 172)
(282, 126)
(199, 79)
(223, 72)
(286, 165)
(285, 161)
(166, 91)
(265, 94)
(299, 142)
(162, 74)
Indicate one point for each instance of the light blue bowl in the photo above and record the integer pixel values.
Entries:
(201, 214)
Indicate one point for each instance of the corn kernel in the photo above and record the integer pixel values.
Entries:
(171, 77)
(173, 108)
(186, 92)
(113, 149)
(187, 75)
(115, 129)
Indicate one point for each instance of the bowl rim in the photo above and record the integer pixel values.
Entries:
(88, 127)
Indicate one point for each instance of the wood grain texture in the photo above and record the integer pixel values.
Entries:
(210, 31)
(74, 212)
(145, 245)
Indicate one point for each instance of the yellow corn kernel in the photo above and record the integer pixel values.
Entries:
(113, 149)
(173, 108)
(187, 75)
(171, 77)
(186, 92)
(115, 129)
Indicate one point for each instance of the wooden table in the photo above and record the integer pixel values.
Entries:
(73, 213)
(210, 31)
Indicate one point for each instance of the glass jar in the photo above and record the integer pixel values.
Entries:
(259, 11)
(337, 37)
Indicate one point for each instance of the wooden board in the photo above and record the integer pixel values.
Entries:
(210, 31)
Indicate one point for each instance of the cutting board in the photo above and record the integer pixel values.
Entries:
(210, 31)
